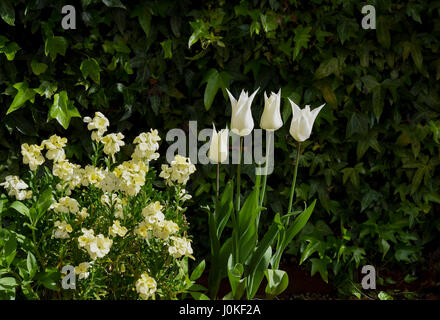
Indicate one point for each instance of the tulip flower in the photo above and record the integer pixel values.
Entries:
(302, 121)
(241, 119)
(218, 150)
(271, 117)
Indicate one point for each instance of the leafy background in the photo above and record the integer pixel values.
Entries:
(372, 160)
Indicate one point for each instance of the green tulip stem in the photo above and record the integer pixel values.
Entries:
(237, 208)
(292, 191)
(263, 191)
(218, 181)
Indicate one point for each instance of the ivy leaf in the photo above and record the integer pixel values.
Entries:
(378, 101)
(200, 29)
(114, 4)
(7, 12)
(327, 67)
(215, 80)
(24, 94)
(269, 22)
(301, 39)
(62, 109)
(46, 89)
(383, 31)
(90, 68)
(144, 17)
(167, 47)
(55, 45)
(320, 265)
(10, 50)
(38, 68)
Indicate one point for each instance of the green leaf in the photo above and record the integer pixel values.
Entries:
(416, 55)
(7, 286)
(7, 12)
(378, 101)
(32, 266)
(269, 22)
(55, 45)
(237, 283)
(198, 271)
(49, 278)
(24, 94)
(38, 68)
(327, 67)
(383, 31)
(277, 282)
(114, 4)
(200, 30)
(10, 50)
(224, 208)
(144, 17)
(44, 202)
(63, 109)
(21, 208)
(292, 231)
(199, 296)
(46, 89)
(320, 265)
(254, 279)
(167, 47)
(301, 39)
(215, 80)
(90, 68)
(384, 296)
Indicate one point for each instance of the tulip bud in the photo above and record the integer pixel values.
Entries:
(241, 119)
(271, 117)
(302, 121)
(218, 150)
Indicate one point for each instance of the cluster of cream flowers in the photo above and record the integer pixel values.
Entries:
(82, 270)
(16, 187)
(97, 246)
(147, 143)
(179, 172)
(66, 205)
(146, 286)
(98, 125)
(32, 155)
(117, 230)
(155, 223)
(180, 247)
(62, 230)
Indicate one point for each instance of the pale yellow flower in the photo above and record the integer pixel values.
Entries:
(62, 230)
(163, 229)
(153, 213)
(180, 247)
(32, 155)
(66, 205)
(81, 270)
(112, 144)
(16, 188)
(146, 286)
(99, 123)
(179, 172)
(117, 230)
(147, 143)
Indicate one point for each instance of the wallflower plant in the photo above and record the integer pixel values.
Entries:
(125, 238)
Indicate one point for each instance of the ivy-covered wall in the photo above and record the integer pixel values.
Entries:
(373, 159)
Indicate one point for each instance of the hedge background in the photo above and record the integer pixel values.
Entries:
(372, 160)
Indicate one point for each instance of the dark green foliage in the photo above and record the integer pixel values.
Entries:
(372, 160)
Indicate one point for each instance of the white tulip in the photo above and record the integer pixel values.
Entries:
(218, 150)
(271, 117)
(241, 119)
(302, 121)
